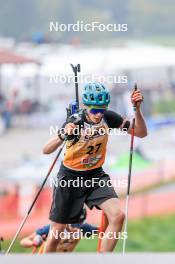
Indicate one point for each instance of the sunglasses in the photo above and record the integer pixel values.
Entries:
(95, 111)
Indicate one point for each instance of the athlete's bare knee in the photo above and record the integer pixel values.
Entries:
(54, 233)
(116, 217)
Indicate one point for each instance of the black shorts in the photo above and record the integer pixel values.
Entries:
(74, 188)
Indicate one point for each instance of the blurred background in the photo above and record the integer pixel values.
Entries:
(36, 86)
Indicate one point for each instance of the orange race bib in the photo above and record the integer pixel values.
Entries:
(89, 152)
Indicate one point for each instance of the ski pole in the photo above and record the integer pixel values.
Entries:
(35, 199)
(34, 250)
(102, 224)
(129, 176)
(76, 69)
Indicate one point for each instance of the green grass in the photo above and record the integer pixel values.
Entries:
(149, 234)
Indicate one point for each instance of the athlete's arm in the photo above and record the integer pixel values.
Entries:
(140, 125)
(55, 142)
(27, 242)
(115, 120)
(52, 145)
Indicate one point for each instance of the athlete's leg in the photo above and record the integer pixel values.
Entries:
(53, 238)
(115, 218)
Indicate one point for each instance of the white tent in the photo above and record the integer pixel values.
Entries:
(100, 60)
(109, 60)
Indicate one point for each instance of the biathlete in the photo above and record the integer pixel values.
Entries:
(70, 237)
(84, 156)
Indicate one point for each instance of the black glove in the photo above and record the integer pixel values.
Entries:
(77, 120)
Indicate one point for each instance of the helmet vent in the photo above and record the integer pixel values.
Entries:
(100, 97)
(95, 94)
(92, 97)
(98, 89)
